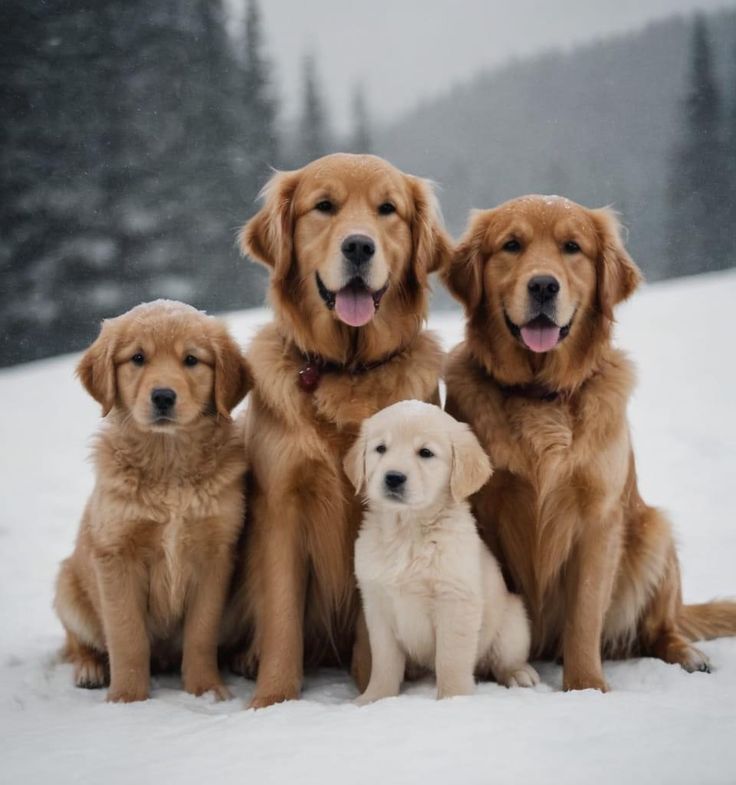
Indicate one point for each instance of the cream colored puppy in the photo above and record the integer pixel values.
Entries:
(433, 594)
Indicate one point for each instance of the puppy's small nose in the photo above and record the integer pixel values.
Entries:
(163, 398)
(394, 480)
(543, 288)
(358, 248)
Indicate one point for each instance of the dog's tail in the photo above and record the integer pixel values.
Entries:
(708, 620)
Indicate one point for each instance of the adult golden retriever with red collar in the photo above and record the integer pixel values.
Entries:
(349, 241)
(540, 383)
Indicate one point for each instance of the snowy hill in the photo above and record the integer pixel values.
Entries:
(659, 724)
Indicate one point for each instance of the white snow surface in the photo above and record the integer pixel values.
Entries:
(659, 724)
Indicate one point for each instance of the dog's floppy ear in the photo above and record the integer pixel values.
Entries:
(354, 462)
(267, 236)
(96, 369)
(463, 276)
(233, 376)
(618, 275)
(471, 467)
(432, 246)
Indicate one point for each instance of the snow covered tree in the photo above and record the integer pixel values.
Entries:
(698, 235)
(259, 104)
(361, 140)
(313, 131)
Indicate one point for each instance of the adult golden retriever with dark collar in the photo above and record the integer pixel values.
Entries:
(542, 386)
(349, 241)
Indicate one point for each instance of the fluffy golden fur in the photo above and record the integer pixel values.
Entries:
(149, 574)
(295, 592)
(596, 565)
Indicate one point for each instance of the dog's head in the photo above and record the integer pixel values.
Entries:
(537, 270)
(349, 241)
(412, 455)
(165, 364)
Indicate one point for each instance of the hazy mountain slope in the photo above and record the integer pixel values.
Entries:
(597, 124)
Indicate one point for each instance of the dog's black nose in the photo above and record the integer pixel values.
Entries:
(163, 398)
(543, 288)
(358, 248)
(394, 480)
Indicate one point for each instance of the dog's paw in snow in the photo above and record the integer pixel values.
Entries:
(523, 676)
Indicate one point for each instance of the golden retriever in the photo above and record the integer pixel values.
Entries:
(349, 241)
(540, 383)
(150, 571)
(432, 592)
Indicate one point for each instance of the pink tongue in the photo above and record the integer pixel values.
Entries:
(540, 339)
(354, 306)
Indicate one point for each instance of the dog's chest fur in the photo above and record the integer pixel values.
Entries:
(413, 567)
(558, 466)
(166, 510)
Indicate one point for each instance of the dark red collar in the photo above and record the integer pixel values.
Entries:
(314, 368)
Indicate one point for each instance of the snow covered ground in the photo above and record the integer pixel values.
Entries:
(659, 724)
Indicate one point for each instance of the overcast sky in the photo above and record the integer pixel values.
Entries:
(404, 50)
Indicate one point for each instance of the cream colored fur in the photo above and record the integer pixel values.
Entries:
(433, 595)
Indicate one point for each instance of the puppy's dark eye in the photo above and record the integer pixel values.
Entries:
(190, 360)
(425, 452)
(512, 246)
(571, 247)
(325, 206)
(138, 358)
(386, 208)
(381, 449)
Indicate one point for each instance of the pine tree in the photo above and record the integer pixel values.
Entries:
(362, 139)
(698, 238)
(730, 136)
(314, 136)
(259, 103)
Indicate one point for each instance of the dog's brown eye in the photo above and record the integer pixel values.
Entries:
(190, 360)
(512, 246)
(386, 208)
(571, 247)
(425, 452)
(325, 206)
(381, 449)
(138, 358)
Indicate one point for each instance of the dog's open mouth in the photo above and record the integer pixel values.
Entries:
(540, 334)
(355, 304)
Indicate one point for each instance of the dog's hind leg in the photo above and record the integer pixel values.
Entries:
(91, 667)
(85, 642)
(660, 629)
(509, 651)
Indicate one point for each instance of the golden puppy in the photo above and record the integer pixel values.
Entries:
(432, 592)
(153, 559)
(349, 241)
(545, 391)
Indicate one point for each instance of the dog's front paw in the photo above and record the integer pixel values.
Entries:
(202, 685)
(127, 694)
(584, 682)
(264, 701)
(525, 676)
(371, 697)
